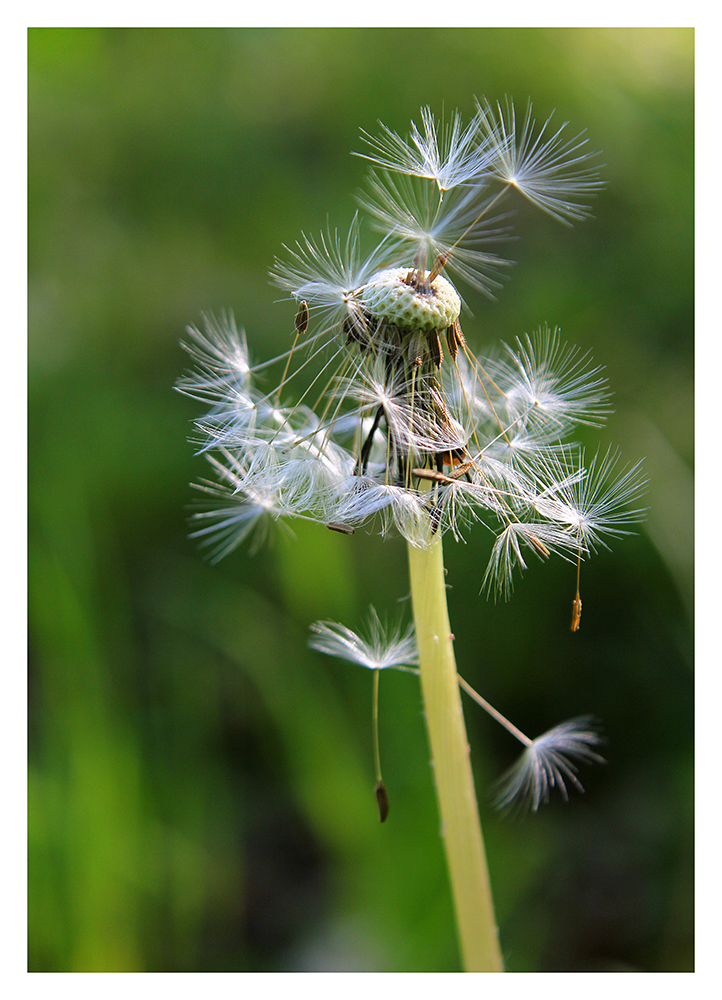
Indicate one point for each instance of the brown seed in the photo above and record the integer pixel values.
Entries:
(451, 341)
(576, 613)
(382, 797)
(437, 355)
(438, 267)
(455, 338)
(462, 470)
(432, 474)
(537, 544)
(301, 320)
(345, 529)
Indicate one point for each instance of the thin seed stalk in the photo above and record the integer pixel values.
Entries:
(460, 825)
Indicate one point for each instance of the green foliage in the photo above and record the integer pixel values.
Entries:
(201, 784)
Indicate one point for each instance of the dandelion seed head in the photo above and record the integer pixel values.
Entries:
(382, 411)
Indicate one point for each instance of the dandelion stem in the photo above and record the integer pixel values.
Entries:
(461, 829)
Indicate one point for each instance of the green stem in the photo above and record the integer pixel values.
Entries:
(461, 829)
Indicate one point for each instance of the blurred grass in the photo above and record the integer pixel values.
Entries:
(200, 784)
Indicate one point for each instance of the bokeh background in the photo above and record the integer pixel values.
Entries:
(201, 784)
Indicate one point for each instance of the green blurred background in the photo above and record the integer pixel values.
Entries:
(201, 784)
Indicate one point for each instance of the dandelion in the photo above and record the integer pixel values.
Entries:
(381, 414)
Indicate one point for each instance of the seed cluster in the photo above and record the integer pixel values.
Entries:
(402, 421)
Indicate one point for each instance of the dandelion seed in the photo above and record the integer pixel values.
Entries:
(457, 228)
(449, 156)
(549, 762)
(327, 272)
(553, 172)
(378, 651)
(222, 375)
(546, 383)
(591, 500)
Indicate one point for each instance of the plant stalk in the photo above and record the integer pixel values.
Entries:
(460, 826)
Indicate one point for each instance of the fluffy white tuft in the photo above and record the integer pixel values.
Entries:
(549, 762)
(381, 649)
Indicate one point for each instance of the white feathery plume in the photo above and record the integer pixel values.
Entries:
(549, 762)
(447, 154)
(518, 537)
(326, 272)
(545, 382)
(235, 513)
(591, 498)
(221, 358)
(457, 227)
(378, 651)
(552, 171)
